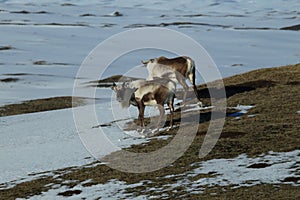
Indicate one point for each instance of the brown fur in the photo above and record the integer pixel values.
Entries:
(161, 94)
(180, 66)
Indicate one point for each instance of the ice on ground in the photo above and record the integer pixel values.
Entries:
(61, 36)
(39, 142)
(196, 107)
(242, 171)
(243, 109)
(245, 171)
(113, 189)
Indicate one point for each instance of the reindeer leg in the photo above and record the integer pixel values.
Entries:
(161, 114)
(192, 78)
(182, 82)
(141, 108)
(171, 107)
(197, 95)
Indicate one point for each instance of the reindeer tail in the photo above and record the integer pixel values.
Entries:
(192, 76)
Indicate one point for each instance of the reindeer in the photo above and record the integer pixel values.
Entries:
(142, 93)
(177, 69)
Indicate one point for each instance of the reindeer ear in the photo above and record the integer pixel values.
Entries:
(126, 85)
(113, 87)
(145, 62)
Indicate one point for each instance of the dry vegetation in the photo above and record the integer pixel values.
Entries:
(275, 126)
(39, 105)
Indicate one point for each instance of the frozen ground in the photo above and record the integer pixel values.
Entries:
(43, 44)
(39, 142)
(48, 40)
(36, 143)
(271, 168)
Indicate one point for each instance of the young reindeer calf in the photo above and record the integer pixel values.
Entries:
(142, 93)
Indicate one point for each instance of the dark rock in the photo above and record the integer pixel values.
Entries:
(259, 165)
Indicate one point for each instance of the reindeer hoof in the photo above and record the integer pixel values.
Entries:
(142, 131)
(155, 130)
(152, 132)
(200, 104)
(169, 128)
(146, 133)
(182, 104)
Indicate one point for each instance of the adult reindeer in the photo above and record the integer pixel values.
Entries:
(142, 93)
(177, 69)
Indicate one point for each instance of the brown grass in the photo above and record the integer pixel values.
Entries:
(275, 127)
(40, 105)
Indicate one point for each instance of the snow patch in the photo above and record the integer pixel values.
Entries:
(242, 171)
(113, 189)
(243, 109)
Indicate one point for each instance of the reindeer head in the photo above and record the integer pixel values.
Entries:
(145, 62)
(124, 93)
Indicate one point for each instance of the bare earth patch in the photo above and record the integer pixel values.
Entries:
(4, 48)
(9, 80)
(40, 105)
(272, 125)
